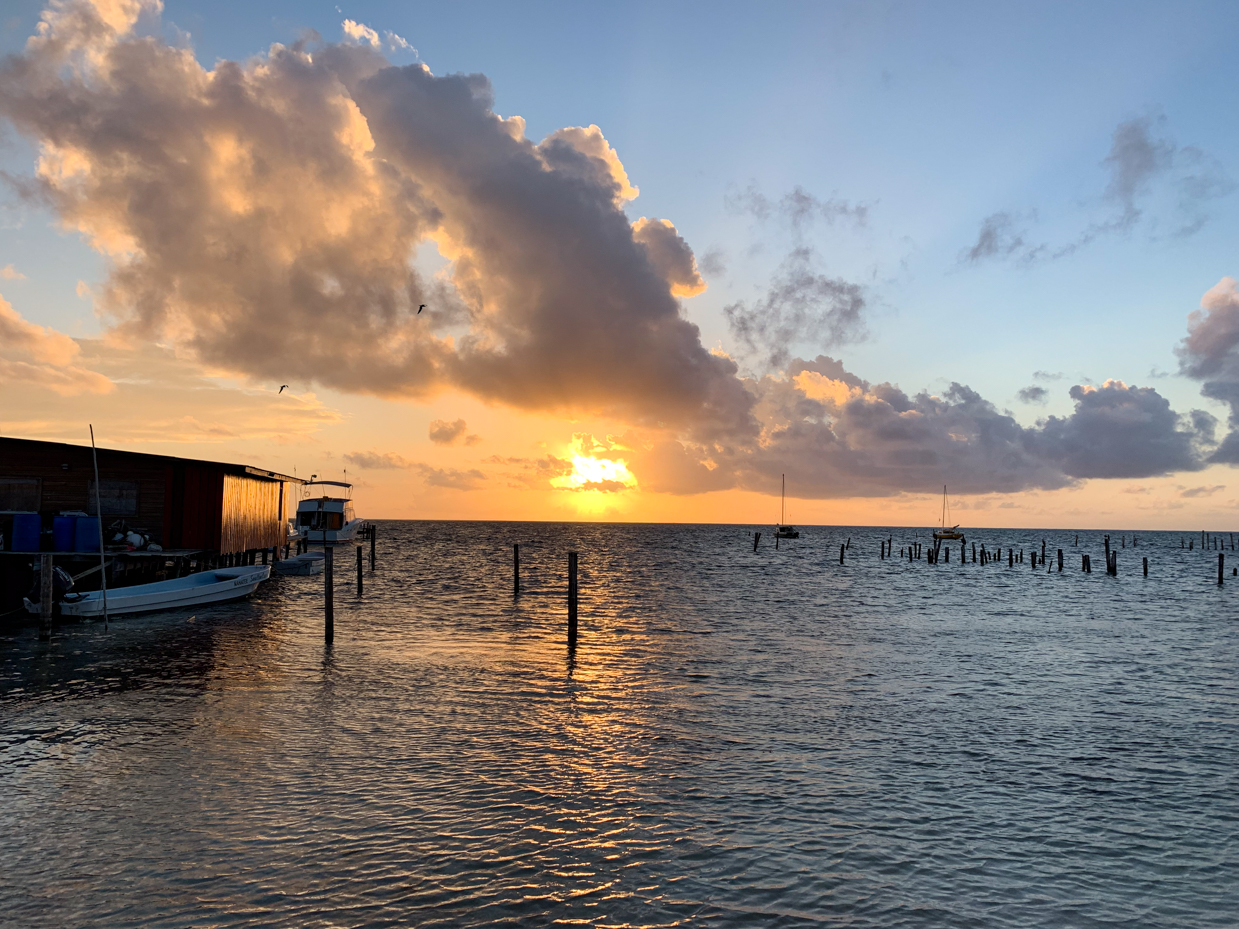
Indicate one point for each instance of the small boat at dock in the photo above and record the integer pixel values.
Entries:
(325, 513)
(199, 589)
(303, 565)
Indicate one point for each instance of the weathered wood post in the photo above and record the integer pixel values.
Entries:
(1146, 567)
(572, 595)
(373, 532)
(756, 539)
(516, 569)
(1033, 559)
(1043, 551)
(1060, 561)
(329, 616)
(46, 588)
(1221, 566)
(842, 549)
(947, 550)
(1010, 558)
(359, 566)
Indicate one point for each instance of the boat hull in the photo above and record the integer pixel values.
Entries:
(306, 565)
(199, 589)
(346, 533)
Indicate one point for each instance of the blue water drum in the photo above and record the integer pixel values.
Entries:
(26, 529)
(62, 533)
(86, 534)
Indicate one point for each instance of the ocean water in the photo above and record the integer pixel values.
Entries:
(738, 738)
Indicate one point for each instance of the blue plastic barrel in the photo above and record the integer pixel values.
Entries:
(26, 529)
(86, 534)
(62, 533)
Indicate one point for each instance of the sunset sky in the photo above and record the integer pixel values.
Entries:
(667, 252)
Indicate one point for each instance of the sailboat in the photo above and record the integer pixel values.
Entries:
(942, 533)
(783, 531)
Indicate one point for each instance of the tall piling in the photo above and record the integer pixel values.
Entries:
(46, 588)
(373, 532)
(842, 549)
(756, 539)
(1221, 566)
(329, 607)
(572, 596)
(516, 569)
(1146, 567)
(1060, 561)
(1010, 558)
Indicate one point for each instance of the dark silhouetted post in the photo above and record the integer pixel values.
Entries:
(842, 549)
(1221, 566)
(1043, 551)
(373, 532)
(756, 539)
(572, 591)
(1010, 558)
(516, 569)
(1146, 567)
(1060, 561)
(974, 552)
(359, 564)
(329, 615)
(46, 582)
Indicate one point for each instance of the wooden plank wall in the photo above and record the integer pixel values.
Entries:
(251, 514)
(65, 473)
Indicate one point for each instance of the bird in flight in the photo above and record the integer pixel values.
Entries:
(281, 390)
(420, 308)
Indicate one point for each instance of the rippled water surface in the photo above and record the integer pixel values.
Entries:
(737, 739)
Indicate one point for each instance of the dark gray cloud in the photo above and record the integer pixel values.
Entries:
(444, 433)
(835, 435)
(1205, 491)
(801, 306)
(1141, 159)
(1121, 431)
(263, 216)
(452, 478)
(1047, 375)
(1033, 394)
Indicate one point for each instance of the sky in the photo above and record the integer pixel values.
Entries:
(665, 254)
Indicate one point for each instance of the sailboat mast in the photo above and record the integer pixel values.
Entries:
(944, 506)
(783, 502)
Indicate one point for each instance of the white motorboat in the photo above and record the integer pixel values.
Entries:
(198, 589)
(303, 565)
(327, 518)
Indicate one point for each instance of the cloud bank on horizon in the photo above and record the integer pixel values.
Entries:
(262, 216)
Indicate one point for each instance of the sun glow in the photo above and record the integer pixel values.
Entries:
(599, 474)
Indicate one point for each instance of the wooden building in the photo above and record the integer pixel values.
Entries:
(181, 503)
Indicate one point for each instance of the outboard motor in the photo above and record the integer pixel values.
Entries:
(62, 583)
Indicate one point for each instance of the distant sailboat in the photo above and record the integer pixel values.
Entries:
(942, 533)
(783, 531)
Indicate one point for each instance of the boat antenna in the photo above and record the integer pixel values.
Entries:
(103, 574)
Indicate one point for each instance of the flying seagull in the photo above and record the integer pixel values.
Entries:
(281, 390)
(420, 308)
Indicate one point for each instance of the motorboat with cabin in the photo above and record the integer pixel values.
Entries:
(782, 530)
(325, 513)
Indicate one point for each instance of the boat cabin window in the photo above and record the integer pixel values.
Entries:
(321, 519)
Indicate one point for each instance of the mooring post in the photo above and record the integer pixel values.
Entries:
(1010, 558)
(516, 569)
(842, 549)
(756, 539)
(359, 564)
(1060, 561)
(1146, 567)
(572, 592)
(46, 588)
(373, 532)
(329, 617)
(974, 552)
(1043, 551)
(1221, 566)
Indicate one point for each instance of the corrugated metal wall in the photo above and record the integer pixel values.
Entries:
(250, 517)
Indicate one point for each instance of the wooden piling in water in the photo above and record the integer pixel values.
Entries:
(1146, 567)
(329, 614)
(1221, 565)
(359, 568)
(842, 549)
(373, 532)
(1010, 558)
(46, 589)
(516, 569)
(756, 539)
(974, 552)
(572, 597)
(1060, 561)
